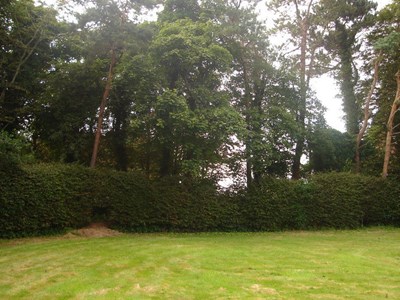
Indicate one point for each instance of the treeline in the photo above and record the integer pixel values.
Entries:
(54, 198)
(202, 91)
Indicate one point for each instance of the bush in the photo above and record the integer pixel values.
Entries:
(381, 202)
(270, 205)
(327, 200)
(129, 199)
(31, 203)
(14, 150)
(41, 199)
(336, 201)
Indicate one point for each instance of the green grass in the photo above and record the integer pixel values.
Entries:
(363, 264)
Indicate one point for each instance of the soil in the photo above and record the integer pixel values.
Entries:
(94, 230)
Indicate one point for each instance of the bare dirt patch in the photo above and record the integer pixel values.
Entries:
(94, 230)
(104, 291)
(258, 288)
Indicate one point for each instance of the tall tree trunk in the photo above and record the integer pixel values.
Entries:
(147, 150)
(348, 76)
(248, 118)
(347, 86)
(303, 100)
(103, 107)
(120, 133)
(389, 135)
(167, 153)
(166, 161)
(259, 91)
(119, 140)
(249, 167)
(366, 112)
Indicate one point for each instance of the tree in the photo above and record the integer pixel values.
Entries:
(389, 134)
(306, 30)
(385, 39)
(330, 150)
(192, 64)
(26, 34)
(62, 128)
(263, 95)
(131, 109)
(14, 150)
(106, 22)
(347, 19)
(180, 9)
(391, 43)
(245, 37)
(367, 112)
(107, 26)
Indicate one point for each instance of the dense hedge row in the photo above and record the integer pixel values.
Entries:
(50, 198)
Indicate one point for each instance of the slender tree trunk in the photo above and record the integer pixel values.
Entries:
(388, 145)
(366, 112)
(248, 118)
(348, 76)
(249, 167)
(347, 85)
(167, 153)
(303, 100)
(166, 161)
(147, 151)
(103, 107)
(119, 138)
(259, 91)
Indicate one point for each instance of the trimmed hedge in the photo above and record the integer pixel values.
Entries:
(42, 199)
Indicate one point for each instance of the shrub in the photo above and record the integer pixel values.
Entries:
(381, 202)
(129, 199)
(13, 151)
(270, 205)
(31, 203)
(183, 204)
(336, 201)
(40, 199)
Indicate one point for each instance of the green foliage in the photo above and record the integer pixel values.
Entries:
(194, 118)
(173, 115)
(180, 9)
(194, 93)
(355, 200)
(270, 205)
(337, 200)
(189, 50)
(69, 101)
(386, 40)
(381, 203)
(333, 200)
(31, 204)
(50, 198)
(25, 55)
(13, 151)
(330, 150)
(388, 43)
(348, 18)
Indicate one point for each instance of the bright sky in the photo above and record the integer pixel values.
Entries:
(328, 93)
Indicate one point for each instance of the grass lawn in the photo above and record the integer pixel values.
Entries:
(361, 264)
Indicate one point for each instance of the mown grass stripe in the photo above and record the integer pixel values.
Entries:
(359, 264)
